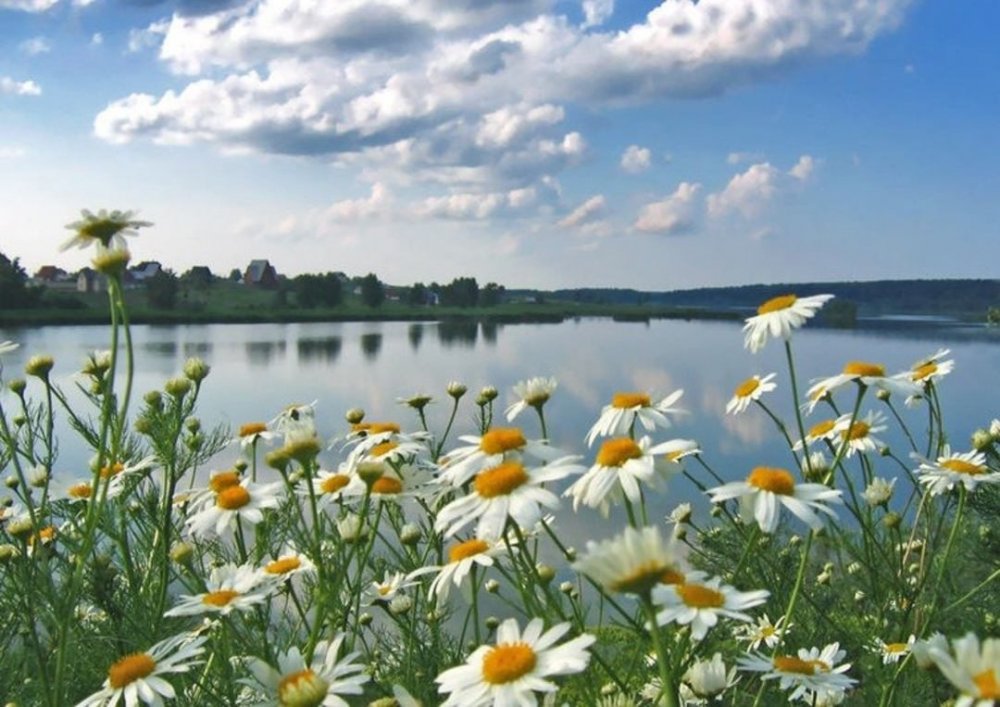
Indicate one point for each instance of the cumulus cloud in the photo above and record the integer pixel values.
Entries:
(597, 12)
(19, 88)
(636, 159)
(28, 5)
(587, 212)
(35, 46)
(672, 215)
(741, 157)
(375, 205)
(803, 169)
(472, 206)
(746, 192)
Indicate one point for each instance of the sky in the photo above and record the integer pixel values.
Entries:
(532, 143)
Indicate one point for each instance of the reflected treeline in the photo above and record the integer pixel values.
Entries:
(325, 349)
(458, 332)
(261, 353)
(161, 348)
(197, 348)
(490, 331)
(415, 334)
(371, 344)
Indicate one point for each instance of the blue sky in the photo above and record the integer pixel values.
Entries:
(528, 142)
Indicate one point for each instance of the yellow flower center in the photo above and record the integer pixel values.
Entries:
(960, 466)
(500, 480)
(859, 430)
(508, 662)
(746, 388)
(387, 485)
(624, 401)
(502, 439)
(129, 669)
(894, 648)
(987, 684)
(283, 565)
(44, 536)
(223, 480)
(924, 372)
(777, 304)
(671, 576)
(302, 689)
(863, 368)
(643, 578)
(821, 428)
(615, 452)
(220, 598)
(232, 497)
(463, 550)
(334, 483)
(699, 596)
(81, 490)
(252, 428)
(772, 479)
(792, 664)
(112, 470)
(375, 427)
(380, 450)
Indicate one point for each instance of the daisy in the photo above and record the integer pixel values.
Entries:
(892, 652)
(331, 486)
(748, 391)
(763, 631)
(244, 501)
(930, 369)
(824, 430)
(507, 490)
(230, 588)
(859, 436)
(618, 418)
(84, 489)
(924, 649)
(391, 586)
(103, 229)
(974, 669)
(863, 373)
(289, 562)
(319, 683)
(708, 678)
(510, 672)
(496, 446)
(392, 449)
(534, 392)
(633, 562)
(253, 432)
(811, 675)
(766, 487)
(778, 316)
(462, 557)
(701, 604)
(951, 469)
(296, 422)
(139, 676)
(621, 464)
(878, 492)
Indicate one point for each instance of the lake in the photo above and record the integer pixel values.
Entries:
(258, 369)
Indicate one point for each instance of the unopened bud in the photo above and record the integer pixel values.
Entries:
(492, 622)
(180, 552)
(355, 415)
(196, 369)
(17, 386)
(177, 387)
(545, 573)
(456, 389)
(39, 366)
(892, 520)
(370, 471)
(982, 440)
(491, 586)
(882, 394)
(400, 604)
(365, 619)
(410, 534)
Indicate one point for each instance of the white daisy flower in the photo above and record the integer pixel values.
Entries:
(879, 491)
(253, 432)
(105, 229)
(811, 675)
(508, 490)
(534, 392)
(974, 669)
(392, 449)
(244, 500)
(230, 588)
(709, 678)
(320, 683)
(618, 418)
(863, 373)
(84, 489)
(893, 652)
(296, 422)
(619, 467)
(331, 486)
(822, 431)
(930, 369)
(763, 631)
(778, 316)
(700, 604)
(923, 650)
(748, 391)
(462, 556)
(859, 436)
(8, 346)
(289, 562)
(767, 487)
(496, 446)
(968, 469)
(392, 585)
(139, 677)
(633, 563)
(510, 672)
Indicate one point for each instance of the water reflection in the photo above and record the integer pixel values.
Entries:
(415, 333)
(325, 349)
(371, 344)
(161, 348)
(461, 332)
(264, 353)
(198, 348)
(490, 331)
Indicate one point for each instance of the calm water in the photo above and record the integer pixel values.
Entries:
(258, 369)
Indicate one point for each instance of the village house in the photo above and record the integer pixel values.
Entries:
(260, 273)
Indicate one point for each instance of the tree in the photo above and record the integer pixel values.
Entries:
(491, 294)
(461, 292)
(14, 290)
(162, 289)
(417, 294)
(372, 291)
(315, 290)
(235, 275)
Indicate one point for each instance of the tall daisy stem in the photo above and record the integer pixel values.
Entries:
(668, 688)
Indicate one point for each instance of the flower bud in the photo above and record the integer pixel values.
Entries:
(196, 369)
(370, 471)
(240, 466)
(882, 394)
(39, 366)
(546, 573)
(19, 420)
(112, 262)
(982, 440)
(491, 586)
(350, 528)
(38, 477)
(488, 393)
(17, 386)
(418, 402)
(303, 449)
(892, 520)
(277, 459)
(365, 619)
(410, 534)
(456, 389)
(400, 604)
(180, 552)
(492, 622)
(177, 387)
(355, 415)
(11, 482)
(566, 587)
(193, 425)
(7, 552)
(143, 425)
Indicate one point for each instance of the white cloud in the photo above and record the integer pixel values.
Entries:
(672, 215)
(741, 157)
(803, 169)
(597, 12)
(35, 46)
(502, 127)
(587, 212)
(28, 5)
(142, 39)
(469, 206)
(97, 39)
(636, 159)
(746, 192)
(19, 88)
(376, 204)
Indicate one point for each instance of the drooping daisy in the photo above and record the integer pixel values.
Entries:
(496, 446)
(534, 392)
(974, 669)
(859, 436)
(709, 678)
(626, 408)
(507, 490)
(296, 422)
(85, 490)
(879, 491)
(288, 563)
(462, 556)
(700, 604)
(862, 373)
(244, 500)
(103, 229)
(892, 652)
(748, 391)
(632, 563)
(824, 430)
(951, 469)
(320, 683)
(778, 316)
(510, 672)
(930, 369)
(811, 675)
(621, 464)
(230, 588)
(767, 487)
(140, 676)
(763, 631)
